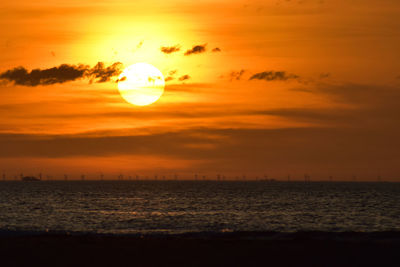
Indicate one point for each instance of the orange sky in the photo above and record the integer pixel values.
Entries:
(297, 87)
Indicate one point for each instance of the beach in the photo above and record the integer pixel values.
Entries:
(201, 249)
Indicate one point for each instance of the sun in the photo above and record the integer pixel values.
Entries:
(141, 84)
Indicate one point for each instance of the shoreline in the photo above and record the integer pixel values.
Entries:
(223, 234)
(202, 249)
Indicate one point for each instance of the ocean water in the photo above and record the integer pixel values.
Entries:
(128, 207)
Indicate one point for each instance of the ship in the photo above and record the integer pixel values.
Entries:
(30, 179)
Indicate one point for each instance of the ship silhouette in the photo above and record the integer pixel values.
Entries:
(30, 179)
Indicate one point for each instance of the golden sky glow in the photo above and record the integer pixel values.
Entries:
(251, 87)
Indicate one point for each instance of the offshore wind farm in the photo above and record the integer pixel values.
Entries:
(194, 177)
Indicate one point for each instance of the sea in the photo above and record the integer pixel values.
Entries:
(178, 207)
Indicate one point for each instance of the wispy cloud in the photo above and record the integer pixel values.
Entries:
(197, 49)
(184, 77)
(273, 76)
(170, 49)
(324, 75)
(171, 75)
(236, 75)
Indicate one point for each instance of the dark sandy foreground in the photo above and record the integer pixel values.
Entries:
(206, 249)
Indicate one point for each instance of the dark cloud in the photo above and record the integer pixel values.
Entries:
(217, 49)
(102, 74)
(172, 72)
(184, 77)
(324, 75)
(169, 78)
(197, 49)
(273, 76)
(170, 49)
(61, 74)
(236, 75)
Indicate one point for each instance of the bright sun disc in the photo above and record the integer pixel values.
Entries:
(141, 84)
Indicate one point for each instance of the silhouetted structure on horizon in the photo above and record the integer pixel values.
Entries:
(30, 179)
